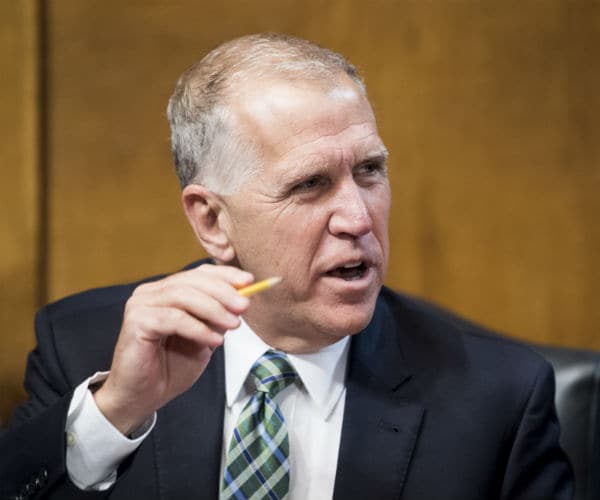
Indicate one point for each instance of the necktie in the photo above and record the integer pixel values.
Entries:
(257, 460)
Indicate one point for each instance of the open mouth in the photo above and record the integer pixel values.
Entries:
(349, 272)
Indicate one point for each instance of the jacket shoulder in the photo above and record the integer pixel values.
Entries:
(80, 331)
(441, 332)
(101, 297)
(94, 298)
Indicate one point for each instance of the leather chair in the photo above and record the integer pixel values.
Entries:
(578, 407)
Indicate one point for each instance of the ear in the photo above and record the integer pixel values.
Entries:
(203, 210)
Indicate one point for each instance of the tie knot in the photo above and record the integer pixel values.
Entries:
(273, 372)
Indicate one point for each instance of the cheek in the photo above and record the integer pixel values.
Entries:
(296, 240)
(380, 204)
(380, 215)
(253, 244)
(382, 223)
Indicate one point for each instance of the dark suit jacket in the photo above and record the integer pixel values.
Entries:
(435, 409)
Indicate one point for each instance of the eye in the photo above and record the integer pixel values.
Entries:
(310, 183)
(370, 168)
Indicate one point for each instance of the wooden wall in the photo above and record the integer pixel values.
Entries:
(489, 111)
(20, 244)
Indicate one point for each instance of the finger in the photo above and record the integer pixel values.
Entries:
(221, 282)
(220, 291)
(172, 290)
(158, 323)
(201, 306)
(233, 275)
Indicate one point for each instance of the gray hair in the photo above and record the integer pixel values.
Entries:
(207, 148)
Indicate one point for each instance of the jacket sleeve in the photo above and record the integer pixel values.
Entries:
(538, 469)
(32, 449)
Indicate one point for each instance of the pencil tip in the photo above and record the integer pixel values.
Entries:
(275, 280)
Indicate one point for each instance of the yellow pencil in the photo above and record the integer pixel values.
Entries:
(259, 286)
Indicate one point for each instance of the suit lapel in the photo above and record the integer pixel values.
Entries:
(188, 437)
(382, 419)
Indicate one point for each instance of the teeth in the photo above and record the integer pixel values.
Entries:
(349, 272)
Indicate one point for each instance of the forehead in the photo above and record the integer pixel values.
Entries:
(299, 120)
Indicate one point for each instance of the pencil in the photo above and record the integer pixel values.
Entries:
(259, 286)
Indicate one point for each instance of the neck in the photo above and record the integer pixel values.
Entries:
(290, 339)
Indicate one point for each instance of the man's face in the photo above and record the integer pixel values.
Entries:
(316, 213)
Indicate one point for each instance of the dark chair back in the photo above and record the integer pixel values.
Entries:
(578, 407)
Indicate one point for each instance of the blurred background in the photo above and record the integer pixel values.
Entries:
(489, 109)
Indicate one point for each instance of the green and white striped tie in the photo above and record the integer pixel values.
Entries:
(257, 460)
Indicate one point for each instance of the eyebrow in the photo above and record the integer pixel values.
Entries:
(380, 155)
(304, 170)
(320, 166)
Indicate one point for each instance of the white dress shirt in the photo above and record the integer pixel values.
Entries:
(95, 447)
(313, 409)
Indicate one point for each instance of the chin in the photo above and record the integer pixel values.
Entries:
(346, 320)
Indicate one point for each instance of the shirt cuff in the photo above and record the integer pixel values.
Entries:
(95, 447)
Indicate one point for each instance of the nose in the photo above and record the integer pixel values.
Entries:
(350, 215)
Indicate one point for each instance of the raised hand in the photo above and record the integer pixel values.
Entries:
(170, 329)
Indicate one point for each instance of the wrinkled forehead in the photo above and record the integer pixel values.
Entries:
(279, 115)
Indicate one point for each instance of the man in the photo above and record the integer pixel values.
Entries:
(379, 395)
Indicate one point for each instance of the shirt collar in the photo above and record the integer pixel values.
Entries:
(322, 373)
